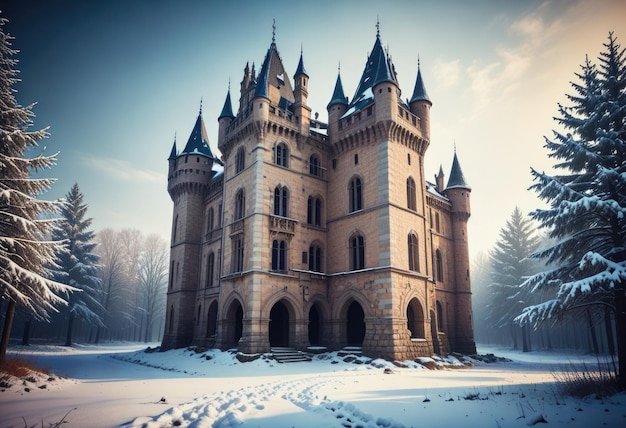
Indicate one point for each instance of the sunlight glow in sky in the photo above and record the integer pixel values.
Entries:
(116, 81)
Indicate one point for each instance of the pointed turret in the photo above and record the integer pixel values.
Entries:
(338, 94)
(439, 179)
(173, 152)
(262, 79)
(225, 119)
(336, 108)
(300, 108)
(198, 142)
(420, 104)
(457, 179)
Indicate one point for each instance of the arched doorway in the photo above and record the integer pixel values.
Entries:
(355, 324)
(314, 326)
(234, 322)
(212, 320)
(279, 325)
(415, 319)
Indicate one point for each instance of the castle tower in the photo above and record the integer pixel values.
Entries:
(458, 192)
(420, 104)
(225, 118)
(189, 174)
(301, 110)
(337, 106)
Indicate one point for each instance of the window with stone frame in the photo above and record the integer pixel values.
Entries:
(355, 194)
(240, 160)
(281, 155)
(411, 196)
(240, 204)
(314, 211)
(315, 258)
(413, 252)
(281, 201)
(357, 252)
(279, 256)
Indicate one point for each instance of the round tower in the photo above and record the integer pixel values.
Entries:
(225, 119)
(458, 192)
(189, 174)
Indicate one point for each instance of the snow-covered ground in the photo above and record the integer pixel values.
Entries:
(121, 385)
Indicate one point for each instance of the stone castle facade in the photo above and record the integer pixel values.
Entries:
(307, 233)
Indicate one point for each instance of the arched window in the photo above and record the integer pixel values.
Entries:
(279, 256)
(210, 269)
(413, 254)
(411, 200)
(357, 252)
(281, 155)
(240, 204)
(315, 258)
(314, 166)
(355, 194)
(439, 265)
(240, 160)
(437, 225)
(314, 211)
(281, 201)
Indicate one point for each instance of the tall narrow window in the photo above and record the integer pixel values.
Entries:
(240, 160)
(210, 220)
(314, 166)
(210, 269)
(281, 155)
(238, 255)
(279, 256)
(410, 194)
(240, 204)
(413, 253)
(314, 211)
(437, 225)
(281, 201)
(439, 265)
(315, 258)
(355, 194)
(357, 252)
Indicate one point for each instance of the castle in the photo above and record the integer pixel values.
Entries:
(310, 234)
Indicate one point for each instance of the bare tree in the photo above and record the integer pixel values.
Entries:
(153, 280)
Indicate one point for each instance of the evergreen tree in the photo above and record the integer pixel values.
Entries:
(25, 221)
(587, 200)
(510, 266)
(78, 265)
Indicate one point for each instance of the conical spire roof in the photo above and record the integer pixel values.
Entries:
(378, 69)
(300, 69)
(198, 142)
(227, 110)
(457, 179)
(338, 94)
(273, 74)
(173, 152)
(419, 92)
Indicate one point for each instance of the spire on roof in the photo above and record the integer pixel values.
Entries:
(338, 94)
(173, 152)
(227, 110)
(457, 180)
(262, 80)
(198, 142)
(300, 69)
(419, 92)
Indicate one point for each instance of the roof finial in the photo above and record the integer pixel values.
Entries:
(274, 31)
(455, 146)
(339, 67)
(200, 105)
(377, 26)
(228, 83)
(418, 61)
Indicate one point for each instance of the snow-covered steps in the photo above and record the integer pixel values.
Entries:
(289, 355)
(350, 350)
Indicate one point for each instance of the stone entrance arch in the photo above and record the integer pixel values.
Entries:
(355, 324)
(315, 326)
(415, 319)
(279, 325)
(234, 324)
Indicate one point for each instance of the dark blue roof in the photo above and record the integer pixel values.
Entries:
(419, 93)
(198, 142)
(378, 69)
(173, 152)
(457, 180)
(227, 110)
(300, 69)
(262, 80)
(338, 94)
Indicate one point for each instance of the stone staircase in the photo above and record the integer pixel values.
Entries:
(288, 355)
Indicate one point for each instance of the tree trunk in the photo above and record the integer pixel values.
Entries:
(525, 339)
(592, 330)
(608, 327)
(513, 331)
(620, 333)
(26, 333)
(70, 330)
(6, 331)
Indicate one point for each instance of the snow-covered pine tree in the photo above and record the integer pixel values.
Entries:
(26, 222)
(510, 266)
(78, 265)
(587, 200)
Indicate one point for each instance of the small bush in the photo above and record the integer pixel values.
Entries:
(20, 367)
(580, 380)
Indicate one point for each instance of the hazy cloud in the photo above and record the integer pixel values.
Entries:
(123, 170)
(447, 73)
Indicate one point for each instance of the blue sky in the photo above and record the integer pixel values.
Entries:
(116, 81)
